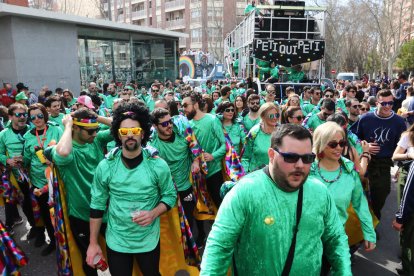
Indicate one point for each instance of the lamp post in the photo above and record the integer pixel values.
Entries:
(104, 47)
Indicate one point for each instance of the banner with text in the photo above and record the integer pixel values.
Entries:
(289, 52)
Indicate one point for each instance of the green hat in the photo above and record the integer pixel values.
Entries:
(21, 96)
(129, 87)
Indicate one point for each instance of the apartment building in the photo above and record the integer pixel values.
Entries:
(206, 21)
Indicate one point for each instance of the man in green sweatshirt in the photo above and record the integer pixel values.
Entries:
(209, 133)
(256, 225)
(139, 188)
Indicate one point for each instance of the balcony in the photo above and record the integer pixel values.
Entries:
(137, 1)
(138, 14)
(175, 24)
(174, 5)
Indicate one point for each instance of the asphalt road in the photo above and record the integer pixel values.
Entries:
(381, 262)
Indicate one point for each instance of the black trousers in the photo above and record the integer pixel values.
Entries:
(214, 183)
(45, 213)
(27, 202)
(81, 234)
(12, 213)
(379, 175)
(188, 201)
(120, 264)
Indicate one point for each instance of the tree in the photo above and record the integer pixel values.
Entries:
(405, 58)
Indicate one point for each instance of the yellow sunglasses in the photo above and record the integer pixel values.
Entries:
(124, 131)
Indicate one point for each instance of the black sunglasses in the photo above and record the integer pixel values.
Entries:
(229, 110)
(90, 131)
(329, 96)
(334, 144)
(294, 157)
(299, 118)
(166, 123)
(20, 114)
(254, 103)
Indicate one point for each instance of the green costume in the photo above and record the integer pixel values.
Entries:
(11, 144)
(72, 102)
(58, 120)
(77, 171)
(255, 225)
(37, 168)
(306, 109)
(249, 123)
(237, 135)
(115, 182)
(255, 149)
(295, 76)
(347, 189)
(209, 133)
(177, 154)
(340, 105)
(110, 100)
(236, 67)
(313, 122)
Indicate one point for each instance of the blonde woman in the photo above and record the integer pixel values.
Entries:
(338, 174)
(254, 155)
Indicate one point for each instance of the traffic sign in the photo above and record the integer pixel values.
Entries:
(333, 71)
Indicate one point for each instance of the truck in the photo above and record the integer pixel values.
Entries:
(288, 35)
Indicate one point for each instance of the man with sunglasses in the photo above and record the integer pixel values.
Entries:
(176, 150)
(276, 219)
(76, 156)
(155, 96)
(317, 119)
(139, 188)
(252, 117)
(382, 129)
(11, 158)
(350, 93)
(352, 106)
(316, 94)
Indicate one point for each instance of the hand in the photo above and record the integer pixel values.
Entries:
(397, 226)
(365, 146)
(404, 114)
(195, 167)
(93, 250)
(144, 218)
(67, 121)
(208, 157)
(374, 148)
(410, 155)
(13, 162)
(37, 192)
(369, 246)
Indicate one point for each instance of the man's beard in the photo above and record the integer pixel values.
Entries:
(191, 115)
(280, 178)
(131, 147)
(254, 108)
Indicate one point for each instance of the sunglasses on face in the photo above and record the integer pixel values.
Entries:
(390, 103)
(186, 105)
(271, 92)
(352, 91)
(125, 131)
(229, 110)
(166, 123)
(274, 116)
(39, 116)
(317, 93)
(329, 96)
(255, 103)
(293, 158)
(155, 90)
(363, 109)
(334, 144)
(299, 118)
(20, 114)
(90, 131)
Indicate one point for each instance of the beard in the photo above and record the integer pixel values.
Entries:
(281, 178)
(254, 108)
(132, 147)
(191, 115)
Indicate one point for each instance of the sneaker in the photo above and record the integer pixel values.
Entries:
(40, 240)
(18, 221)
(49, 249)
(32, 233)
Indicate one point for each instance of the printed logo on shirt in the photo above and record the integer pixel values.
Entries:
(382, 135)
(269, 220)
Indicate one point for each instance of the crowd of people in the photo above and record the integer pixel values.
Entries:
(262, 184)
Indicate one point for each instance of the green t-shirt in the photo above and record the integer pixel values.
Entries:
(37, 169)
(209, 133)
(249, 123)
(77, 171)
(313, 122)
(340, 105)
(255, 151)
(110, 100)
(178, 156)
(237, 136)
(72, 102)
(308, 108)
(118, 184)
(11, 144)
(58, 120)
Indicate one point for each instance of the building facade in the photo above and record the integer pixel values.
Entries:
(206, 21)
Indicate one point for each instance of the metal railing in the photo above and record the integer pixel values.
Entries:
(174, 4)
(175, 23)
(138, 14)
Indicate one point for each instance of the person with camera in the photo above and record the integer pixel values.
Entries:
(43, 134)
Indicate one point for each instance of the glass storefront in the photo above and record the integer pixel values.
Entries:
(106, 55)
